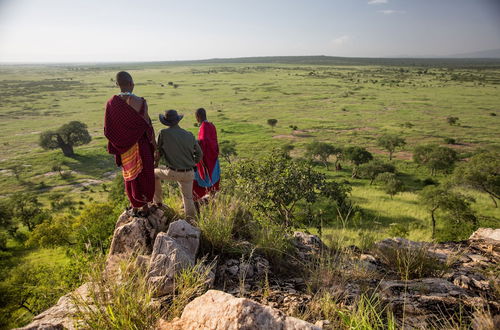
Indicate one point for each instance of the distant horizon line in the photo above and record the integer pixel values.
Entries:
(403, 57)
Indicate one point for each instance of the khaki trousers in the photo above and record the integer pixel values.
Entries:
(185, 181)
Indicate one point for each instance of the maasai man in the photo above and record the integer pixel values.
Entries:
(207, 177)
(131, 139)
(181, 152)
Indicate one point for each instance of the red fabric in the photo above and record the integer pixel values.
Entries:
(207, 139)
(123, 127)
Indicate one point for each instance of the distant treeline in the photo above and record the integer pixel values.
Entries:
(309, 60)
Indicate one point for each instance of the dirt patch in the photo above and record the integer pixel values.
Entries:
(285, 136)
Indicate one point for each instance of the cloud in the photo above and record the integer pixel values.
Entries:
(391, 11)
(341, 40)
(377, 2)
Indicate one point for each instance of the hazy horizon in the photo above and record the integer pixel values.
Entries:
(57, 31)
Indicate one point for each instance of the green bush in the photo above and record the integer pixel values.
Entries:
(274, 185)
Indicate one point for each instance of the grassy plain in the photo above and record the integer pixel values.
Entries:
(345, 104)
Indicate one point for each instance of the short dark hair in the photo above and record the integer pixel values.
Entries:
(201, 113)
(123, 78)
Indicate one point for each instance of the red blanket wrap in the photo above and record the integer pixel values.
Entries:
(207, 139)
(124, 127)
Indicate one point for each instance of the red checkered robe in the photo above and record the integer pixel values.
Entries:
(124, 128)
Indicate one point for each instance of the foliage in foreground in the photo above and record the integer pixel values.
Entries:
(126, 301)
(276, 184)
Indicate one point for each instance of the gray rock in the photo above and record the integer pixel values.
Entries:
(186, 235)
(167, 259)
(220, 310)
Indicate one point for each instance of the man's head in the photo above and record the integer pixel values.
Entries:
(170, 118)
(124, 81)
(201, 115)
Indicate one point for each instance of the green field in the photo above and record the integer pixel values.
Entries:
(345, 104)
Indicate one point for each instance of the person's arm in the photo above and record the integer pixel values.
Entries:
(198, 153)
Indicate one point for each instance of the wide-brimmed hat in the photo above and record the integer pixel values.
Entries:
(170, 118)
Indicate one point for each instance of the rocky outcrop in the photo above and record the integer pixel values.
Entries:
(172, 252)
(220, 310)
(468, 282)
(59, 316)
(137, 234)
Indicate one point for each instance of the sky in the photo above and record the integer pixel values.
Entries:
(162, 30)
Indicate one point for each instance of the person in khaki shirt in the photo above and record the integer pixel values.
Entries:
(180, 152)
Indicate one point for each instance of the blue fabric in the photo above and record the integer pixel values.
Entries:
(210, 180)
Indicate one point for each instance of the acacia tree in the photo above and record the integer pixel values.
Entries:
(357, 156)
(72, 134)
(321, 150)
(392, 185)
(481, 172)
(27, 209)
(434, 157)
(371, 169)
(456, 205)
(390, 143)
(452, 121)
(228, 150)
(272, 123)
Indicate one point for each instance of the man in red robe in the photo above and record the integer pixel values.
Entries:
(131, 140)
(207, 176)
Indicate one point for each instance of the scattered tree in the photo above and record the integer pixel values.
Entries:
(434, 157)
(27, 209)
(481, 172)
(392, 185)
(294, 127)
(390, 143)
(455, 205)
(74, 133)
(452, 121)
(272, 123)
(321, 151)
(357, 156)
(371, 169)
(228, 150)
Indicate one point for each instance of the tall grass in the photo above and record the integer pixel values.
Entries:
(125, 300)
(117, 303)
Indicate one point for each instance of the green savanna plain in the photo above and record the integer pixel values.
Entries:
(350, 103)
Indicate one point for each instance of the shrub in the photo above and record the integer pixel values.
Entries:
(222, 221)
(275, 184)
(452, 121)
(391, 184)
(411, 262)
(450, 141)
(228, 150)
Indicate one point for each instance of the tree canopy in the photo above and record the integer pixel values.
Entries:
(321, 151)
(357, 156)
(435, 157)
(371, 169)
(67, 136)
(390, 142)
(481, 172)
(455, 205)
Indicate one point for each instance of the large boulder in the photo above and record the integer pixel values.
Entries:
(307, 246)
(220, 310)
(137, 234)
(486, 239)
(172, 252)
